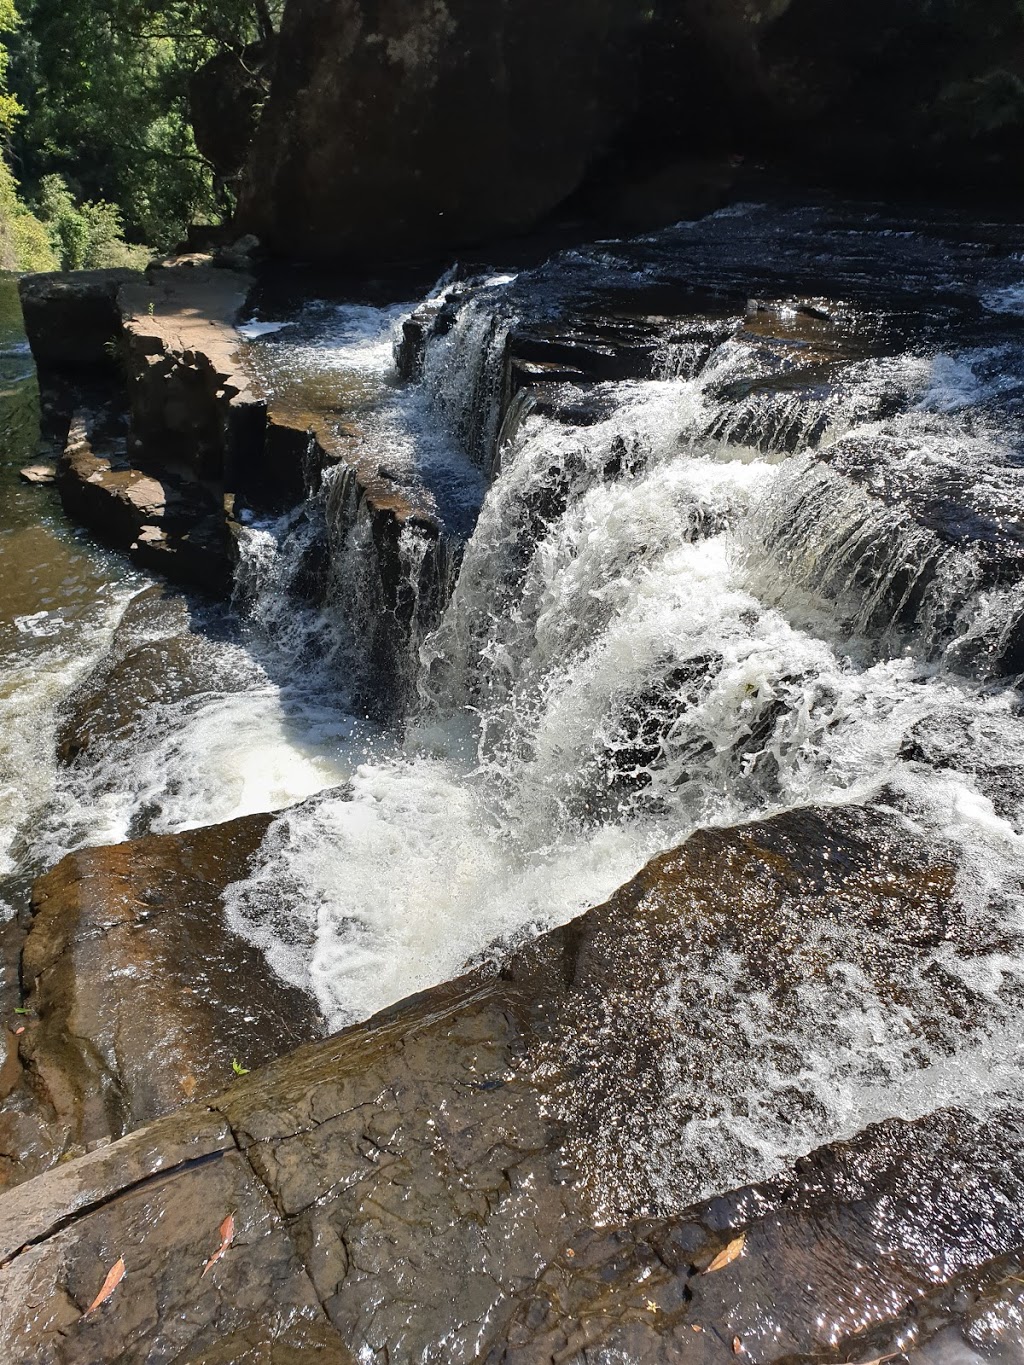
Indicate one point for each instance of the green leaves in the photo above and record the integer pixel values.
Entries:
(106, 85)
(238, 1068)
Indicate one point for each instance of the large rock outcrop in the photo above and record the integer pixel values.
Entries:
(137, 997)
(399, 129)
(459, 1179)
(396, 129)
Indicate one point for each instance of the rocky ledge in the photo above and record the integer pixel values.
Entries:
(477, 1174)
(162, 435)
(135, 996)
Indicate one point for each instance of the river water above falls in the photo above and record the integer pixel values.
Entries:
(749, 537)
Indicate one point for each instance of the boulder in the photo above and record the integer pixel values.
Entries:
(139, 996)
(72, 319)
(399, 129)
(165, 650)
(478, 1172)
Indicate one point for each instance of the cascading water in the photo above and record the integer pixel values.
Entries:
(692, 607)
(782, 570)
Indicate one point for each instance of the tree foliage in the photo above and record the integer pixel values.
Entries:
(105, 89)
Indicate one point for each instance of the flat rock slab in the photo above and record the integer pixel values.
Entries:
(38, 473)
(470, 1176)
(175, 1302)
(72, 318)
(140, 998)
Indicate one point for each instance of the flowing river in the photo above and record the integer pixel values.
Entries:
(784, 571)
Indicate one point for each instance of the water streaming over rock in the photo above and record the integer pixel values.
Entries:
(780, 571)
(751, 540)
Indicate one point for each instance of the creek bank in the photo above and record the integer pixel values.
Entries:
(460, 1177)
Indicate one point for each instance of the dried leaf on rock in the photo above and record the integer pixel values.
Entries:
(227, 1234)
(728, 1254)
(114, 1277)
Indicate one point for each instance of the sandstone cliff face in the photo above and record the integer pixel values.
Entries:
(397, 129)
(405, 126)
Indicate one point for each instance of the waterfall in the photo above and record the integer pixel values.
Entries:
(691, 599)
(639, 541)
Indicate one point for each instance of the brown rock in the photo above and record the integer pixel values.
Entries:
(38, 473)
(157, 1201)
(158, 653)
(460, 1177)
(140, 996)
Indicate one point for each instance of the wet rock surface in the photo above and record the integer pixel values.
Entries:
(472, 1174)
(137, 997)
(163, 650)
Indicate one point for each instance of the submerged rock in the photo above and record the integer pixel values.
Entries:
(498, 1169)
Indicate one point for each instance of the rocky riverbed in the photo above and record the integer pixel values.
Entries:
(523, 814)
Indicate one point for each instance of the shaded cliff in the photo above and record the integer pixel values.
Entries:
(397, 129)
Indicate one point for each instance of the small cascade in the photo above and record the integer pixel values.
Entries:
(463, 366)
(690, 598)
(664, 534)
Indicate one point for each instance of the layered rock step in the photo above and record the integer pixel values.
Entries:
(476, 1173)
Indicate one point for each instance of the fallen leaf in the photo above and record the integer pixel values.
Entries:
(652, 1307)
(737, 1346)
(19, 1030)
(570, 1253)
(696, 1327)
(727, 1254)
(227, 1234)
(114, 1277)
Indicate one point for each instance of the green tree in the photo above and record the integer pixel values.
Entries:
(24, 241)
(84, 235)
(105, 85)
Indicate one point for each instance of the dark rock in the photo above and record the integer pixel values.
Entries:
(163, 651)
(139, 995)
(167, 520)
(438, 1176)
(72, 319)
(395, 131)
(224, 97)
